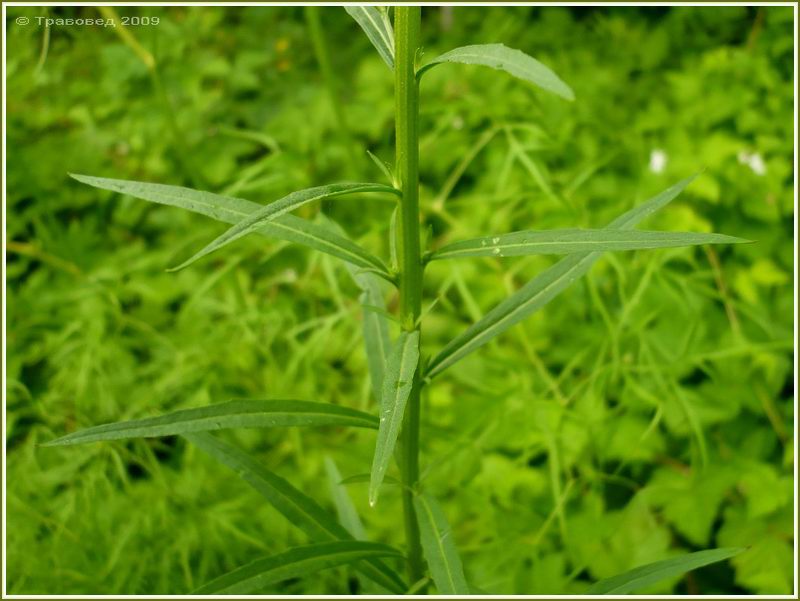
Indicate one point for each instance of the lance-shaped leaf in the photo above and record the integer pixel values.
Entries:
(288, 203)
(568, 241)
(233, 414)
(644, 576)
(375, 322)
(375, 23)
(376, 334)
(298, 508)
(348, 516)
(398, 379)
(294, 563)
(232, 210)
(440, 550)
(514, 62)
(541, 289)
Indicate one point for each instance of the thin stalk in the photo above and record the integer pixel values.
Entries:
(45, 49)
(185, 162)
(184, 157)
(407, 27)
(322, 53)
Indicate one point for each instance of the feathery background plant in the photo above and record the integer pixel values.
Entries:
(405, 368)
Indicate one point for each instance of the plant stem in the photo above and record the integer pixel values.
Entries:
(406, 94)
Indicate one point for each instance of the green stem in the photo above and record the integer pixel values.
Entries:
(407, 26)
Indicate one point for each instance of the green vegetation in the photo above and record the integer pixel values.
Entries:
(643, 417)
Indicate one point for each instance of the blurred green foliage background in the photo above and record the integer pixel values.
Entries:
(648, 411)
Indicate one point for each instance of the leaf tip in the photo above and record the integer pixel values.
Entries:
(56, 442)
(84, 179)
(186, 263)
(375, 487)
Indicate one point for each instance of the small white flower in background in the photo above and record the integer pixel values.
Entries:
(757, 164)
(753, 160)
(658, 160)
(458, 122)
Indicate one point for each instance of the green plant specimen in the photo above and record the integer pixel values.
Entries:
(399, 369)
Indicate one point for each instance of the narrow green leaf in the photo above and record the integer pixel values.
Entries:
(376, 322)
(232, 210)
(298, 508)
(348, 516)
(294, 563)
(398, 378)
(376, 25)
(541, 289)
(376, 337)
(384, 168)
(233, 414)
(288, 203)
(644, 576)
(503, 58)
(567, 241)
(440, 550)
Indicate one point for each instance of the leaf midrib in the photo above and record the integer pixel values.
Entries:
(439, 544)
(381, 30)
(224, 417)
(397, 395)
(490, 246)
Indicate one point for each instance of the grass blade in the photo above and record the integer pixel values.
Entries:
(541, 289)
(298, 508)
(288, 203)
(644, 576)
(440, 551)
(348, 516)
(503, 58)
(398, 379)
(294, 563)
(232, 210)
(376, 25)
(233, 414)
(567, 241)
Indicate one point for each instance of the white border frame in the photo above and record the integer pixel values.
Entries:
(486, 4)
